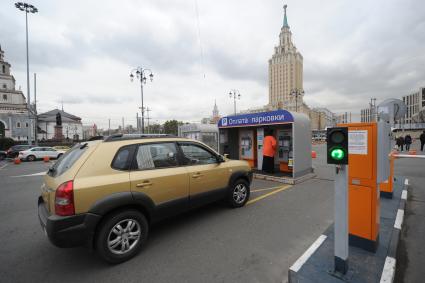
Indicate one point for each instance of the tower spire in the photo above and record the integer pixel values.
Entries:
(285, 19)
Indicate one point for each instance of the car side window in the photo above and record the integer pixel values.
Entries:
(121, 160)
(197, 155)
(156, 155)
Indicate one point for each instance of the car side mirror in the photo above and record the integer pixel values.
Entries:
(220, 159)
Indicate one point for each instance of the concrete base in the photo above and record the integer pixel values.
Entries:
(363, 266)
(284, 179)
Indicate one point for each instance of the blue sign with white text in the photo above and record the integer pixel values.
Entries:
(253, 119)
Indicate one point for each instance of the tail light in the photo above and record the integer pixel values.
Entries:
(64, 199)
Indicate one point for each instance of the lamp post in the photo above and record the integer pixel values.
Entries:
(140, 73)
(235, 94)
(296, 92)
(27, 8)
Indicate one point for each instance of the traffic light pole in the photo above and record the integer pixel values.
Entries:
(341, 219)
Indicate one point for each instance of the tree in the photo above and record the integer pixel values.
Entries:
(171, 127)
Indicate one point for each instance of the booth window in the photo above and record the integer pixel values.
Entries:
(159, 155)
(196, 155)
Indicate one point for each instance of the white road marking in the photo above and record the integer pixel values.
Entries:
(406, 182)
(388, 271)
(3, 166)
(404, 194)
(302, 259)
(30, 175)
(399, 219)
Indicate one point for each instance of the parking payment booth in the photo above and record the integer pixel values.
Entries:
(368, 166)
(241, 137)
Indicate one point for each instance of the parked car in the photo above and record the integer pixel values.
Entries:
(14, 150)
(62, 147)
(3, 154)
(105, 194)
(39, 153)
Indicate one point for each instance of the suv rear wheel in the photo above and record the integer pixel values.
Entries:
(239, 193)
(121, 236)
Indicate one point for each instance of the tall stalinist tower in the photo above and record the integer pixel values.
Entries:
(286, 73)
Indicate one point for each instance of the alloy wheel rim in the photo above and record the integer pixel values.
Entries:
(124, 236)
(239, 193)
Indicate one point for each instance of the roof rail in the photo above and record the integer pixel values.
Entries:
(120, 137)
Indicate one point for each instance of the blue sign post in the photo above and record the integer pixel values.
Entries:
(256, 119)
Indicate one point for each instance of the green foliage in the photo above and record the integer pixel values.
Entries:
(171, 127)
(6, 143)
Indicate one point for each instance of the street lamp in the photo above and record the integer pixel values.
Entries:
(235, 94)
(140, 74)
(296, 92)
(27, 8)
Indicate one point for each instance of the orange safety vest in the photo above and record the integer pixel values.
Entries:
(269, 146)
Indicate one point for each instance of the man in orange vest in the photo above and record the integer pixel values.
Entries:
(269, 150)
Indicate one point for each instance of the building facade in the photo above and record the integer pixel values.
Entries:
(321, 118)
(366, 115)
(72, 128)
(415, 103)
(343, 118)
(286, 73)
(14, 119)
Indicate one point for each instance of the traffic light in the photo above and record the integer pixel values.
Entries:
(337, 145)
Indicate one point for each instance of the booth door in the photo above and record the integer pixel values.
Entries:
(207, 177)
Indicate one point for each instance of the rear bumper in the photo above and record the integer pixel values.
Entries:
(67, 231)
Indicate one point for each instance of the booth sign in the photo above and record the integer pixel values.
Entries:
(255, 119)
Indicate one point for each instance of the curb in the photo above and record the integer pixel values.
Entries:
(388, 273)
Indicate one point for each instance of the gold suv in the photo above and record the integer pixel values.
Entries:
(106, 193)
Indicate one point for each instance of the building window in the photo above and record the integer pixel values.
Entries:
(18, 124)
(4, 96)
(4, 69)
(26, 125)
(4, 86)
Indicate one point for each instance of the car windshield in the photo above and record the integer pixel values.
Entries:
(67, 160)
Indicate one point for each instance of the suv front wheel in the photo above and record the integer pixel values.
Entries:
(238, 193)
(121, 236)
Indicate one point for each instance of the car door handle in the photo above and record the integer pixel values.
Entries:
(144, 184)
(197, 175)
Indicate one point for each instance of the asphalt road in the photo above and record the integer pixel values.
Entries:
(256, 243)
(411, 252)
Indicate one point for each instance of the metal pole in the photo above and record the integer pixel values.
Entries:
(143, 109)
(35, 111)
(109, 126)
(122, 125)
(28, 81)
(296, 101)
(234, 101)
(341, 219)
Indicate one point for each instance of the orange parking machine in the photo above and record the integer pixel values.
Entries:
(364, 216)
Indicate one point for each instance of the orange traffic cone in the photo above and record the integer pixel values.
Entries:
(313, 154)
(17, 161)
(46, 159)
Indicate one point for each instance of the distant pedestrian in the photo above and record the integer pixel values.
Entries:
(407, 141)
(269, 150)
(422, 138)
(400, 143)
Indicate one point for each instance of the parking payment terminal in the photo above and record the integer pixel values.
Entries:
(284, 151)
(260, 139)
(246, 146)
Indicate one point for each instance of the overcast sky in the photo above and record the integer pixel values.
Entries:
(83, 51)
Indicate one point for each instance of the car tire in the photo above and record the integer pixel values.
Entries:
(121, 236)
(239, 193)
(30, 158)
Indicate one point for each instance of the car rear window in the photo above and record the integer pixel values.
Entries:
(67, 160)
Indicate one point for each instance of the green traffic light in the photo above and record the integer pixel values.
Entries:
(337, 154)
